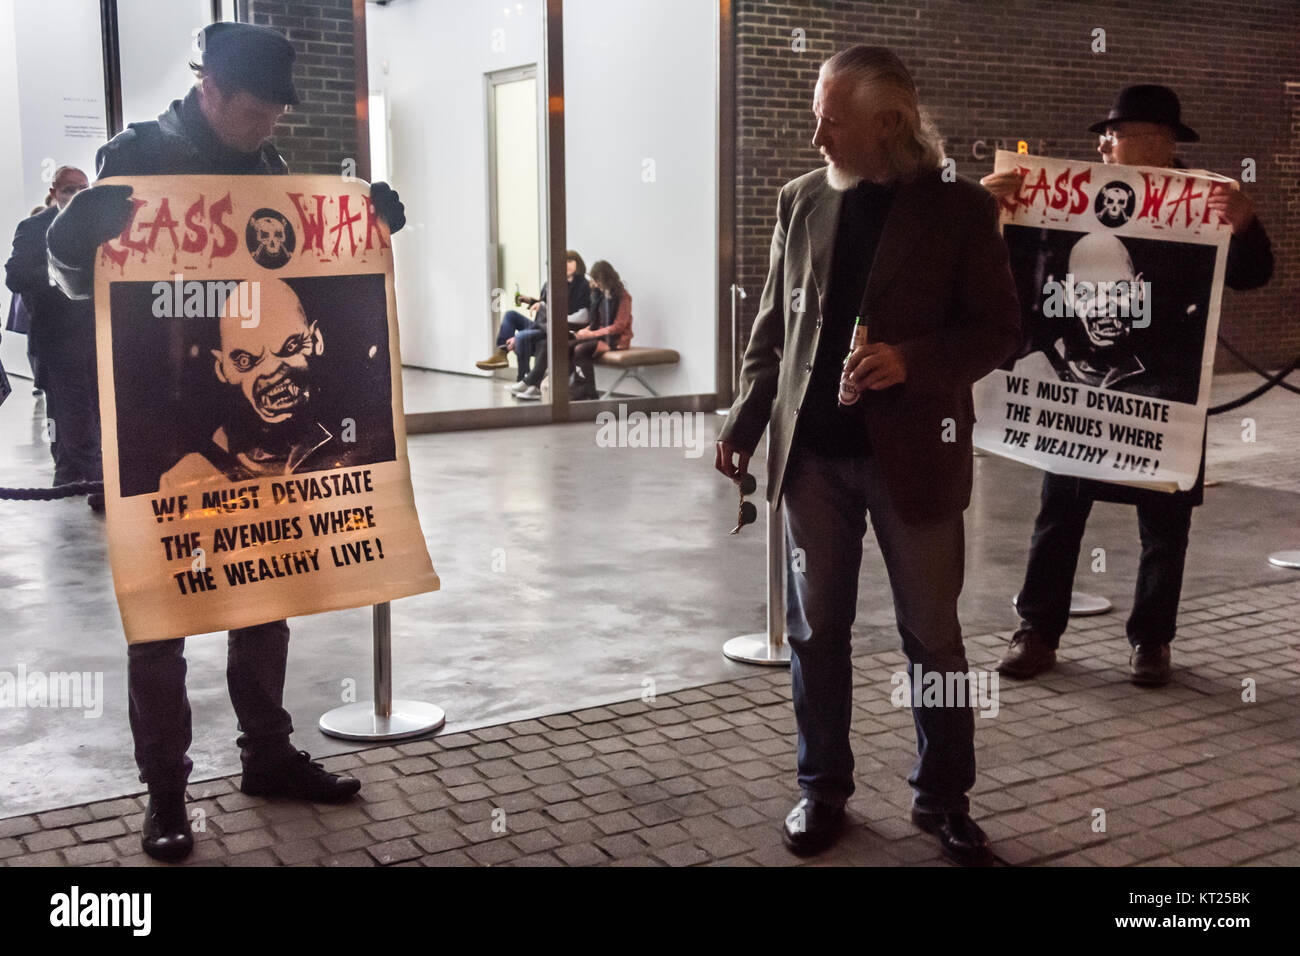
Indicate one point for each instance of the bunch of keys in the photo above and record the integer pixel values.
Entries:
(747, 513)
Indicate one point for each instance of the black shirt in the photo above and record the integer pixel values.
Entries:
(825, 426)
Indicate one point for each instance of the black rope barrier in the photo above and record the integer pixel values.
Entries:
(70, 490)
(1269, 382)
(1262, 373)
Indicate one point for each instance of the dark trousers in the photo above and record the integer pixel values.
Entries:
(582, 359)
(160, 708)
(1163, 524)
(826, 504)
(72, 406)
(531, 355)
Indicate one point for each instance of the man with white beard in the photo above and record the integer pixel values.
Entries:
(881, 235)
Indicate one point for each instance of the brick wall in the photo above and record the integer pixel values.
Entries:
(1016, 70)
(319, 133)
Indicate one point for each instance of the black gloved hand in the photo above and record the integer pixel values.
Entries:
(92, 217)
(388, 206)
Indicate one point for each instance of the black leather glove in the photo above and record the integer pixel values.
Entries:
(92, 217)
(388, 206)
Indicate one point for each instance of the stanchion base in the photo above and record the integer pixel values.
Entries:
(410, 718)
(1285, 559)
(1084, 605)
(755, 649)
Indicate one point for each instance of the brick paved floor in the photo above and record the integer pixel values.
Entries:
(1188, 774)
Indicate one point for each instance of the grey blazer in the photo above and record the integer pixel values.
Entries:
(940, 289)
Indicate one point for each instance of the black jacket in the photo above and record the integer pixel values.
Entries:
(579, 298)
(62, 329)
(179, 142)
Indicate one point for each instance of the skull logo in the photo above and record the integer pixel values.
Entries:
(270, 235)
(1114, 204)
(270, 238)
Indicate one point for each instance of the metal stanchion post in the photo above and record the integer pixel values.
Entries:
(383, 718)
(769, 648)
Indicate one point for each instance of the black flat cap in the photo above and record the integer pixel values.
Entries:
(256, 59)
(1148, 103)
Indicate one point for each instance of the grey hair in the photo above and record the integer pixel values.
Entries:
(878, 71)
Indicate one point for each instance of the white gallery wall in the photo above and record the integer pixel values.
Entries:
(429, 58)
(52, 104)
(641, 100)
(155, 42)
(640, 85)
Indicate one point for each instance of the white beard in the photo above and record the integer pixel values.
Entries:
(839, 179)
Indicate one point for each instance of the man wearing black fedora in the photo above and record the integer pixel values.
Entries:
(1142, 129)
(222, 126)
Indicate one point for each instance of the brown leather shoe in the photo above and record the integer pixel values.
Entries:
(1028, 656)
(1148, 665)
(497, 359)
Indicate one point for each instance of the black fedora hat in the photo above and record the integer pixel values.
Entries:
(1148, 103)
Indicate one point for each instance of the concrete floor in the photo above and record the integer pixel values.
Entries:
(618, 571)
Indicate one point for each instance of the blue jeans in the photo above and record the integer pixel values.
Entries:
(512, 323)
(826, 503)
(159, 708)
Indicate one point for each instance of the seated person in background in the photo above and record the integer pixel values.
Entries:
(523, 334)
(610, 328)
(531, 354)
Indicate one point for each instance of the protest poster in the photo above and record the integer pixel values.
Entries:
(255, 462)
(1119, 270)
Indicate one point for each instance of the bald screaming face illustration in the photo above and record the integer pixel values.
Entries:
(267, 358)
(1115, 292)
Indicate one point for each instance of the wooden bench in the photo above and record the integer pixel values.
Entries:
(629, 360)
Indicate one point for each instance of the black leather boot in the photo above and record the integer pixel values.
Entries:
(298, 778)
(166, 833)
(961, 838)
(811, 827)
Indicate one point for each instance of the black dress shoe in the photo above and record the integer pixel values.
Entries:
(962, 840)
(299, 778)
(811, 827)
(1149, 666)
(1028, 656)
(166, 833)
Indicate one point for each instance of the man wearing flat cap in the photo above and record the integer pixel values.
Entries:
(222, 126)
(1142, 129)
